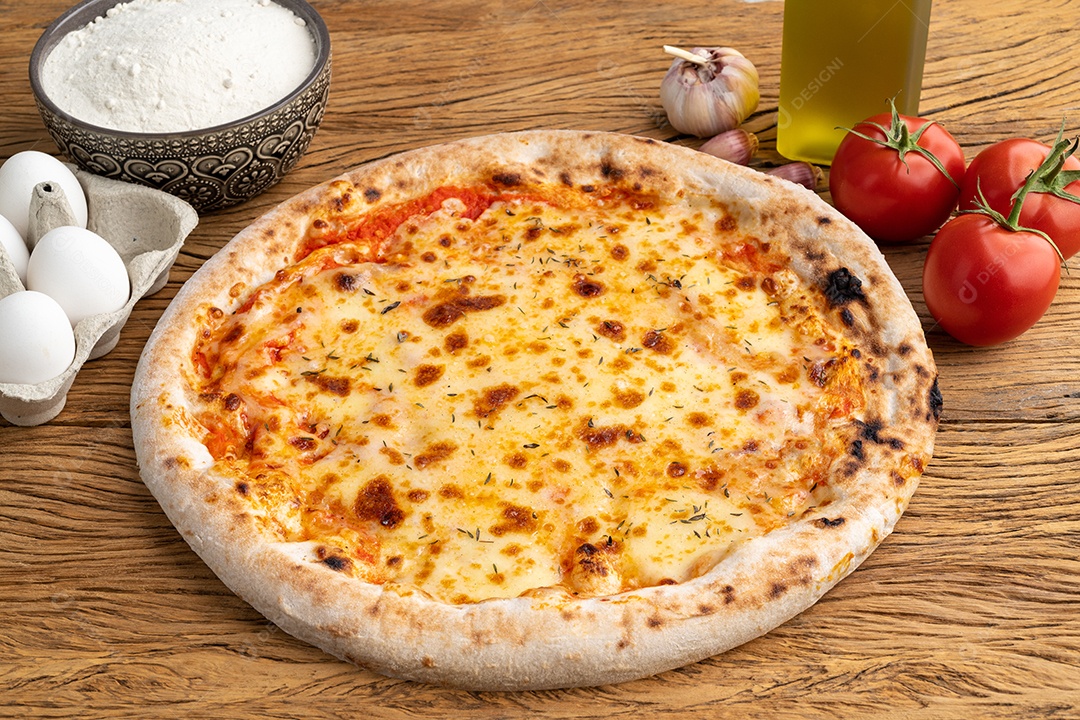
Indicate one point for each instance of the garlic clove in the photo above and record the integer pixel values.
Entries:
(709, 96)
(737, 146)
(800, 173)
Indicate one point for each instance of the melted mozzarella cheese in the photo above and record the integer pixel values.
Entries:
(594, 400)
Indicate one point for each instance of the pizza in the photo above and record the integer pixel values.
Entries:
(536, 410)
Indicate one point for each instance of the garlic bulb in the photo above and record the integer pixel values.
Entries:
(708, 90)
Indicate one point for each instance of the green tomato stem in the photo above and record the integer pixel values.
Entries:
(1050, 166)
(1012, 222)
(902, 140)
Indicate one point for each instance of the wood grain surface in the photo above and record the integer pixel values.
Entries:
(971, 609)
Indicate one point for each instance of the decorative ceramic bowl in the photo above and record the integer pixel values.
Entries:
(212, 168)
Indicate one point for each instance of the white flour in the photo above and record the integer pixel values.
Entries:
(177, 65)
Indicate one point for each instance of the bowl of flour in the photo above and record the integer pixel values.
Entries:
(212, 101)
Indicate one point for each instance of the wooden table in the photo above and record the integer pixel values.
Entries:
(970, 610)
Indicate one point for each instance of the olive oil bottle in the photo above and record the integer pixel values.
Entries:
(842, 60)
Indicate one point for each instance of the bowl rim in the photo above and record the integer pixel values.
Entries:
(87, 11)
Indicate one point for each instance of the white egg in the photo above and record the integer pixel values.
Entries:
(22, 172)
(80, 270)
(39, 343)
(15, 246)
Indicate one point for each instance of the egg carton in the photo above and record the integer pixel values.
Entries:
(147, 227)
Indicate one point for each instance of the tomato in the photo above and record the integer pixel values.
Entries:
(986, 284)
(1002, 168)
(894, 193)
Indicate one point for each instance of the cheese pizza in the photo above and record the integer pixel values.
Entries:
(537, 410)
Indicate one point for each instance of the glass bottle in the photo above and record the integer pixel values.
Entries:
(842, 60)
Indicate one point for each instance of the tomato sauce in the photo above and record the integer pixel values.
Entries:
(374, 228)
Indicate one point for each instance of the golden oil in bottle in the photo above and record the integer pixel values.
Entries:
(842, 60)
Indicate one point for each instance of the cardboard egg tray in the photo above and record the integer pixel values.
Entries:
(147, 227)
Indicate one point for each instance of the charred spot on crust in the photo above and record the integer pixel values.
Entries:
(842, 287)
(800, 570)
(857, 449)
(336, 562)
(508, 179)
(823, 220)
(936, 401)
(871, 431)
(777, 589)
(242, 488)
(372, 194)
(729, 594)
(341, 202)
(609, 171)
(846, 317)
(827, 523)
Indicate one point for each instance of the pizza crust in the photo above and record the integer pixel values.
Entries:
(548, 639)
